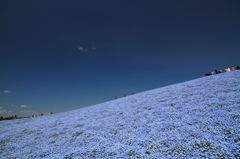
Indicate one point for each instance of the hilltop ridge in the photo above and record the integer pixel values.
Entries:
(197, 118)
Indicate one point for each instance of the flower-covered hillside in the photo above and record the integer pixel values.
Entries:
(194, 119)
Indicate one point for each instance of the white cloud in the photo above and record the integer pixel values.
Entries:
(83, 49)
(7, 91)
(23, 106)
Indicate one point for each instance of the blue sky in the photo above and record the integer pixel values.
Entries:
(63, 55)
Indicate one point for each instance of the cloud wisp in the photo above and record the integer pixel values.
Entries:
(86, 50)
(83, 49)
(23, 106)
(7, 91)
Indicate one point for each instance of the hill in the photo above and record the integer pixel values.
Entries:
(195, 119)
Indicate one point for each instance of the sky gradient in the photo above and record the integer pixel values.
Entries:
(62, 55)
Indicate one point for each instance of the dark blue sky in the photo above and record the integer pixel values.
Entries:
(60, 55)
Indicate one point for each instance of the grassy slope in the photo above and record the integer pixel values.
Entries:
(198, 118)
